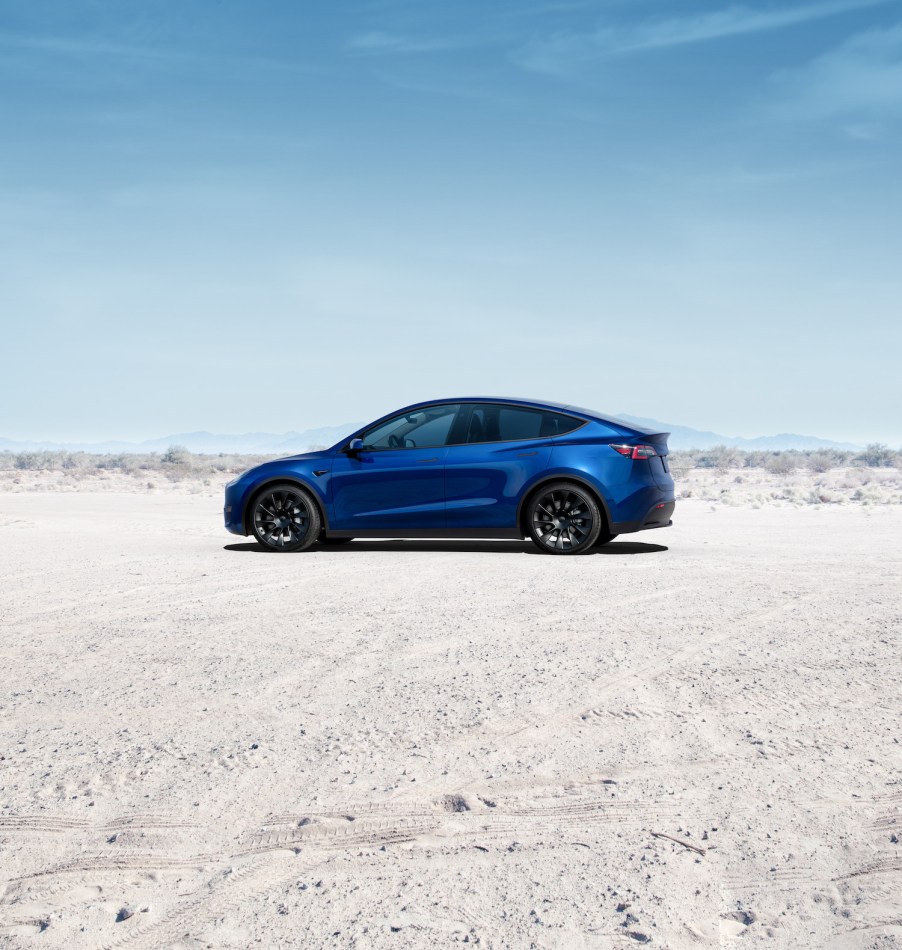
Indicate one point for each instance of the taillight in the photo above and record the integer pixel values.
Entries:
(635, 451)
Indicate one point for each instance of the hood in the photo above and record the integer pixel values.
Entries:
(301, 456)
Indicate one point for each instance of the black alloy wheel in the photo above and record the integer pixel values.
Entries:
(285, 518)
(564, 519)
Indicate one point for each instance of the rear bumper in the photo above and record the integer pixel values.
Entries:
(658, 516)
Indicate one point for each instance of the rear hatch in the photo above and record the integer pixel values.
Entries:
(658, 462)
(659, 467)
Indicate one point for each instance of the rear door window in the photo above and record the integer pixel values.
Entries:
(500, 423)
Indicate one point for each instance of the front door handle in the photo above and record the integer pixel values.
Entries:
(424, 461)
(522, 455)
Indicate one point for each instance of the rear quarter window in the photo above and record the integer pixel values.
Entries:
(498, 423)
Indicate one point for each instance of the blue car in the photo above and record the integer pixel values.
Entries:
(568, 478)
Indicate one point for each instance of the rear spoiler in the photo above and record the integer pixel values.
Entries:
(657, 439)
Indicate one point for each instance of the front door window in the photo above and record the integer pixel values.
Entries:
(421, 429)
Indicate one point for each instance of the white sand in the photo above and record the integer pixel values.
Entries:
(413, 744)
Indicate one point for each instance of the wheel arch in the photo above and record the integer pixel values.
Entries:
(282, 479)
(547, 479)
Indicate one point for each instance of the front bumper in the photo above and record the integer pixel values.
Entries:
(233, 508)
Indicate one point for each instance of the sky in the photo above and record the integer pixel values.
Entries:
(232, 216)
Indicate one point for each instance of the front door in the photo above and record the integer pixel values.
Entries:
(397, 482)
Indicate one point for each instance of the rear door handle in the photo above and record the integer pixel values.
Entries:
(424, 461)
(521, 455)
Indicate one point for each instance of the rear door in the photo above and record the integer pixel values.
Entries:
(495, 450)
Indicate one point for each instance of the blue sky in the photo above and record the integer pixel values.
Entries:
(238, 216)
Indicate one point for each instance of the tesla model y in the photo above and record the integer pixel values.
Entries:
(568, 478)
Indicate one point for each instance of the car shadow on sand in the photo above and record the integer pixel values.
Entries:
(393, 546)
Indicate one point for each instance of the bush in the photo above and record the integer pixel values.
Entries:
(680, 463)
(783, 463)
(176, 455)
(877, 455)
(823, 461)
(721, 457)
(31, 461)
(120, 462)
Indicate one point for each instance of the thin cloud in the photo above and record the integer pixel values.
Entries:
(89, 47)
(561, 52)
(82, 47)
(379, 43)
(861, 79)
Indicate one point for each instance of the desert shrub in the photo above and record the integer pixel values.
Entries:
(31, 461)
(721, 457)
(176, 455)
(757, 458)
(113, 462)
(877, 455)
(823, 460)
(782, 463)
(680, 463)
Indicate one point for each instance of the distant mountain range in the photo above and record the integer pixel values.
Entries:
(203, 443)
(683, 437)
(290, 443)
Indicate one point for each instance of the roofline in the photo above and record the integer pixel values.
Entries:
(512, 400)
(588, 414)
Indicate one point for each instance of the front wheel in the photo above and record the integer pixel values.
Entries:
(285, 518)
(564, 518)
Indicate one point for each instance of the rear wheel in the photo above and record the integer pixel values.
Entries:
(563, 518)
(285, 518)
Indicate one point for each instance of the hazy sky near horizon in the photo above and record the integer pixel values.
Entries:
(260, 217)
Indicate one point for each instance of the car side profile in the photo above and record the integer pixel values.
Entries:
(568, 478)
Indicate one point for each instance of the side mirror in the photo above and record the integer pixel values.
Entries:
(354, 446)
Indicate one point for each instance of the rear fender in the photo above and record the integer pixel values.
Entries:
(561, 476)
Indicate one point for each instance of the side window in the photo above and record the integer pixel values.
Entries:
(499, 423)
(517, 424)
(424, 428)
(555, 423)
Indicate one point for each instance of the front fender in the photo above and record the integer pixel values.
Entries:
(301, 479)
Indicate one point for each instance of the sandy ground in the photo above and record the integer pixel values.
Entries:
(416, 744)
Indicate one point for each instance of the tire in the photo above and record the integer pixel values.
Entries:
(284, 517)
(564, 518)
(322, 539)
(605, 538)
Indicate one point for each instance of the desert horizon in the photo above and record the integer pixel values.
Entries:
(722, 475)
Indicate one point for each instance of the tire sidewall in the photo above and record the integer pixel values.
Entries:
(591, 503)
(315, 518)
